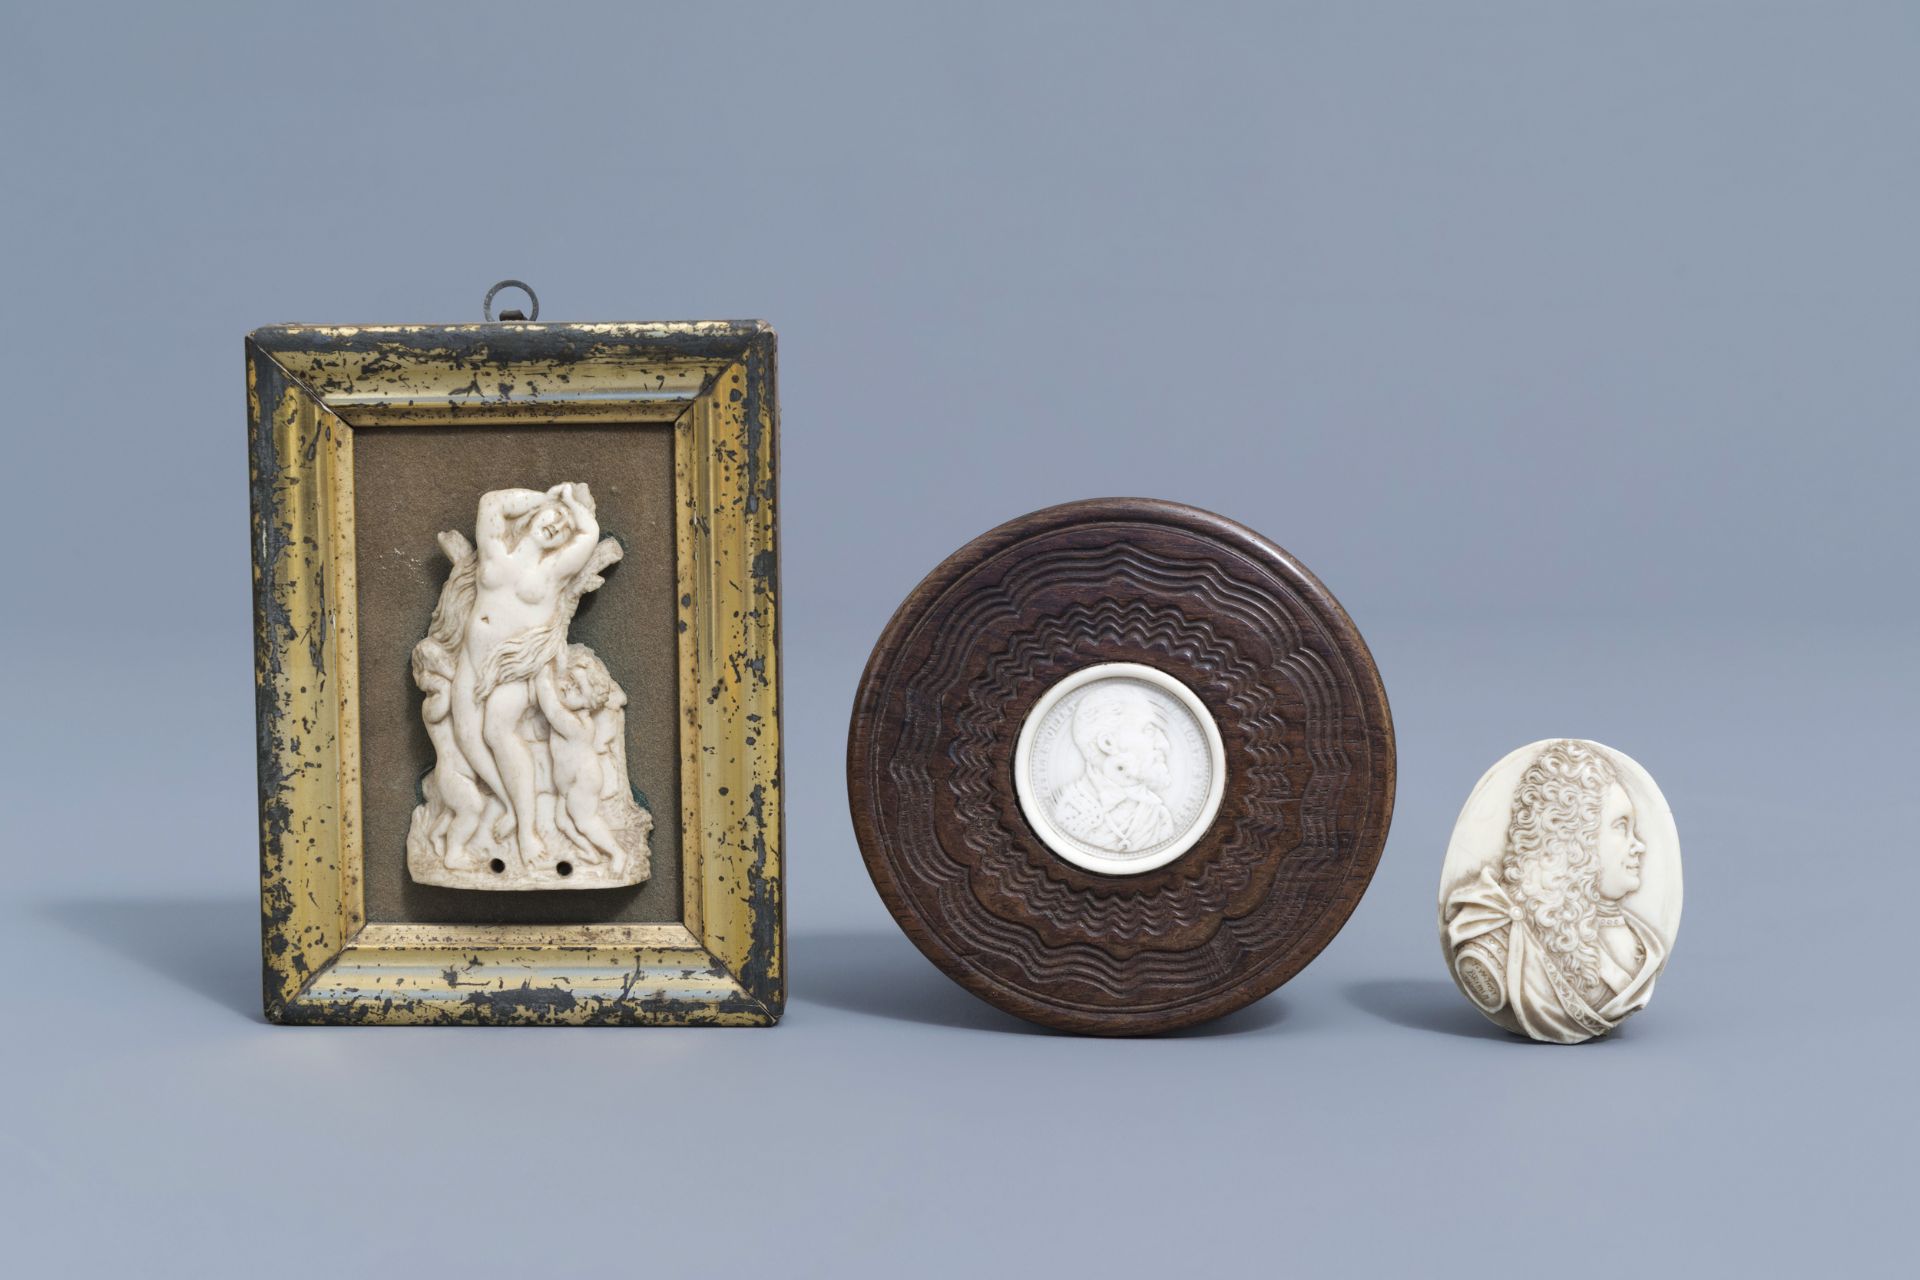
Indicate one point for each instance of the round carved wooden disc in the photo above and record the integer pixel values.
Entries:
(1272, 659)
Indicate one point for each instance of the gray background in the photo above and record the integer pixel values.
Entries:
(1573, 345)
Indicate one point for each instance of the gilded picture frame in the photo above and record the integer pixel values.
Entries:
(311, 391)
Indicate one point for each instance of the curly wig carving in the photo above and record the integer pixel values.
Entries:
(1551, 863)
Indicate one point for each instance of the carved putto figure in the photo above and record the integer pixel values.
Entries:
(529, 787)
(1558, 907)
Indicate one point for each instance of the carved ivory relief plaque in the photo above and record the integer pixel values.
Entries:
(529, 789)
(1560, 896)
(1120, 768)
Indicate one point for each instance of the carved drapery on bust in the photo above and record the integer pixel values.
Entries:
(529, 788)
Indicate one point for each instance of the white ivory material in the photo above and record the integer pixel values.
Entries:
(1120, 768)
(1560, 896)
(529, 789)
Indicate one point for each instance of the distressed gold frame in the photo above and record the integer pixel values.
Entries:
(310, 390)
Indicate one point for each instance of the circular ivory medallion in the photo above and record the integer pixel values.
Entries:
(1560, 896)
(1120, 768)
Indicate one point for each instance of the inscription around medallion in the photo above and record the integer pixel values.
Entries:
(1120, 768)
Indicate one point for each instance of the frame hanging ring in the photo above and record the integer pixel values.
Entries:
(533, 301)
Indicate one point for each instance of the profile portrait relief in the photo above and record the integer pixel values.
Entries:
(1561, 892)
(1117, 801)
(1120, 768)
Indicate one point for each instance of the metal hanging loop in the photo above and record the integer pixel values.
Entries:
(533, 301)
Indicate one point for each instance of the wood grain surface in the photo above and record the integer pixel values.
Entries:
(1283, 670)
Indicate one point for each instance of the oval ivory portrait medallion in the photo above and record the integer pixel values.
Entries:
(1120, 768)
(1560, 896)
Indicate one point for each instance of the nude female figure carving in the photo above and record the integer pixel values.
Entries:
(514, 712)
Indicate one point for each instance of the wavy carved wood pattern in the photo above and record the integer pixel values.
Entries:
(1266, 647)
